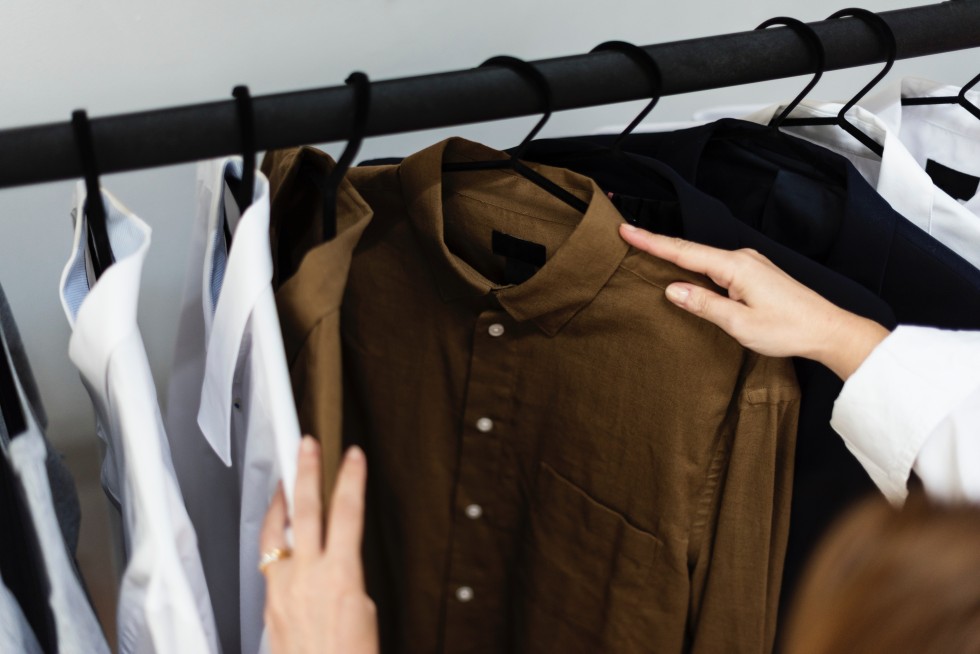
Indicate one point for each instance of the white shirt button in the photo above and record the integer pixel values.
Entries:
(474, 511)
(484, 424)
(464, 593)
(496, 329)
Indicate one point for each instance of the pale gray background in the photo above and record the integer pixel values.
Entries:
(112, 56)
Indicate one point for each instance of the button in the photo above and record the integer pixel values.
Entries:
(464, 593)
(474, 511)
(237, 403)
(484, 424)
(496, 329)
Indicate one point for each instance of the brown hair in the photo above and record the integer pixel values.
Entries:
(888, 580)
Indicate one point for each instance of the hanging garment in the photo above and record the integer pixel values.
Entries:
(914, 404)
(21, 562)
(27, 455)
(896, 175)
(77, 628)
(22, 565)
(231, 417)
(827, 477)
(62, 484)
(562, 464)
(16, 634)
(944, 140)
(310, 276)
(812, 200)
(163, 602)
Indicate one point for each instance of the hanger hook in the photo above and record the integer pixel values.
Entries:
(531, 74)
(100, 249)
(878, 24)
(362, 102)
(246, 130)
(817, 55)
(961, 97)
(652, 71)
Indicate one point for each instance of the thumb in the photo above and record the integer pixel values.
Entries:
(714, 308)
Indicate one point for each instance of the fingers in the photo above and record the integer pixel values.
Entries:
(346, 524)
(273, 534)
(308, 510)
(706, 304)
(717, 264)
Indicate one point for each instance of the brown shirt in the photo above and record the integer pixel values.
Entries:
(568, 464)
(309, 278)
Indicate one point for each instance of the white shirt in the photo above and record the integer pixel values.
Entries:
(163, 602)
(914, 404)
(231, 415)
(896, 175)
(944, 133)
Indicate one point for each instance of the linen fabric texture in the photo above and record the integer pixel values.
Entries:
(569, 463)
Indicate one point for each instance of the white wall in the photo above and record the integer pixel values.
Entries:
(112, 56)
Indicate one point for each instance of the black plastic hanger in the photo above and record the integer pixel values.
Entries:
(243, 189)
(959, 98)
(818, 56)
(93, 209)
(888, 37)
(10, 405)
(599, 147)
(329, 185)
(642, 58)
(533, 75)
(246, 129)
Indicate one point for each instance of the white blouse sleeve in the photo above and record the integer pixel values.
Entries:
(914, 404)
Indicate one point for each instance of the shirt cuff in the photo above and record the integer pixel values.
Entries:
(895, 400)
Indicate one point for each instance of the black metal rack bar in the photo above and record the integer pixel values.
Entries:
(162, 137)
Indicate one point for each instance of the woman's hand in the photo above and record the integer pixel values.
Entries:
(766, 310)
(315, 598)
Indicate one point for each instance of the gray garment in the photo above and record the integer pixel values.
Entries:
(15, 633)
(77, 627)
(63, 490)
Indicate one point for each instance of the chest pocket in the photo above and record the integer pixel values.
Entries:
(592, 582)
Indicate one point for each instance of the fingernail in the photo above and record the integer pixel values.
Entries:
(307, 445)
(354, 453)
(678, 294)
(628, 227)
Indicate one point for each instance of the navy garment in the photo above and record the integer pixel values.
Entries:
(827, 478)
(815, 202)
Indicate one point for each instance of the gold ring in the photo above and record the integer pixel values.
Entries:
(273, 555)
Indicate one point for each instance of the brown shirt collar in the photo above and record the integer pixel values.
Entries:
(571, 277)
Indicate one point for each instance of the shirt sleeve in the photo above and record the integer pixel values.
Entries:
(914, 404)
(736, 580)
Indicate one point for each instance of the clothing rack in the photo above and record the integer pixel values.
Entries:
(161, 137)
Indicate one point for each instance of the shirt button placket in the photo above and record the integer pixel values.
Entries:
(474, 565)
